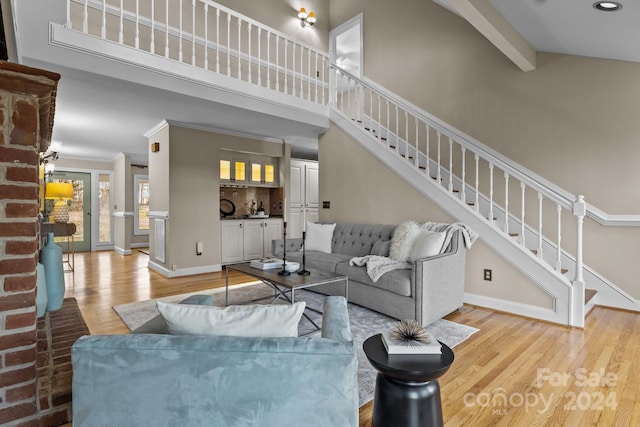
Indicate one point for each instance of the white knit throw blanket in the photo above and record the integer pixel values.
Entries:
(378, 265)
(469, 235)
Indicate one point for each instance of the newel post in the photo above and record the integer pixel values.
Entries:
(577, 292)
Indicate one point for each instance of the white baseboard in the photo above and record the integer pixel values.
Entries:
(122, 251)
(140, 245)
(180, 272)
(518, 308)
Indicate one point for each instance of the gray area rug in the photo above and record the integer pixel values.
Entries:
(364, 323)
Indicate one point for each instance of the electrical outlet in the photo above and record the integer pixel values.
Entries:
(326, 205)
(174, 267)
(488, 274)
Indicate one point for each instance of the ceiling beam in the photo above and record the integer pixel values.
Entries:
(490, 23)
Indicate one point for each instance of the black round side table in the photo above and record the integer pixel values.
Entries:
(407, 390)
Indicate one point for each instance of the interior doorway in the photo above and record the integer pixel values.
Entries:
(346, 46)
(79, 208)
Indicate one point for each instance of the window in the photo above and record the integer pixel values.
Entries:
(141, 202)
(104, 207)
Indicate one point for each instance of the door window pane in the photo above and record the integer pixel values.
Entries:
(141, 219)
(104, 225)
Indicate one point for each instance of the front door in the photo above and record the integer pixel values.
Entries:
(79, 208)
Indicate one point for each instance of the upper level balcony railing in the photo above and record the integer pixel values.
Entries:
(209, 36)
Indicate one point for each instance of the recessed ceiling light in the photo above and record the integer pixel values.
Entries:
(607, 6)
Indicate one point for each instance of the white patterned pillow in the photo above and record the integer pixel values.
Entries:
(280, 320)
(402, 241)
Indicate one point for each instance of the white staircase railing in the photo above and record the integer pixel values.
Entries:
(515, 201)
(210, 36)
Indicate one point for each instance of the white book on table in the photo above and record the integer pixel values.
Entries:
(394, 346)
(266, 263)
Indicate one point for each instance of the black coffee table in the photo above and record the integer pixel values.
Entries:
(407, 390)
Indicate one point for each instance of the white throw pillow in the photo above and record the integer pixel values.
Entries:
(280, 320)
(318, 237)
(402, 240)
(426, 244)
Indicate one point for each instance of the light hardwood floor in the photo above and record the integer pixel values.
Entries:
(514, 372)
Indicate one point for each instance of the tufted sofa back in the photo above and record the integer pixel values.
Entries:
(358, 239)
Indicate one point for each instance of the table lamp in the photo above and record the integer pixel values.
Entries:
(60, 192)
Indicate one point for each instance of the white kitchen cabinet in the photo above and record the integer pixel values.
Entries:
(232, 241)
(244, 240)
(263, 174)
(233, 171)
(303, 184)
(252, 239)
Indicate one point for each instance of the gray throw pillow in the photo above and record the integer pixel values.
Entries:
(381, 247)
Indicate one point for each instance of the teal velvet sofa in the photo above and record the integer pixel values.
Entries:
(156, 379)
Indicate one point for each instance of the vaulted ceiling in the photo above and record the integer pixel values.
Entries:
(573, 27)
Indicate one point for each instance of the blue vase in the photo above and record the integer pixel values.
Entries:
(51, 258)
(41, 291)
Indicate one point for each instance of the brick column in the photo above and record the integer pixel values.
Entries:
(27, 104)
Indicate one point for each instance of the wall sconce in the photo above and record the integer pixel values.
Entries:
(306, 19)
(60, 192)
(52, 152)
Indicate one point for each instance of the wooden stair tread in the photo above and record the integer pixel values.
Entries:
(589, 294)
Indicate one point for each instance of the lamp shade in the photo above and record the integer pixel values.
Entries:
(59, 190)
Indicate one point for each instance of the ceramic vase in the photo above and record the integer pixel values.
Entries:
(51, 258)
(41, 291)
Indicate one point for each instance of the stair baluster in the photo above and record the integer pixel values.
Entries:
(505, 228)
(540, 199)
(523, 188)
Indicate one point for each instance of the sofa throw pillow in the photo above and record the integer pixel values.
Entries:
(280, 320)
(425, 244)
(318, 237)
(402, 240)
(381, 247)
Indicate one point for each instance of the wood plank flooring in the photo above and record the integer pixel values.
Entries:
(514, 372)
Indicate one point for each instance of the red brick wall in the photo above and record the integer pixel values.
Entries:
(26, 99)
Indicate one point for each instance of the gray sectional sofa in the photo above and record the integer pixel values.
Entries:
(432, 288)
